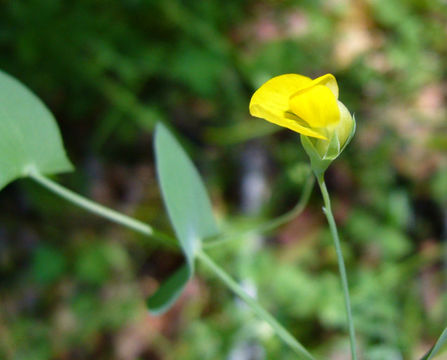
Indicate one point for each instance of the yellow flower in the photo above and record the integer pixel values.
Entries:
(309, 107)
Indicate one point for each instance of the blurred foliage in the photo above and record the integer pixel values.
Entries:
(74, 287)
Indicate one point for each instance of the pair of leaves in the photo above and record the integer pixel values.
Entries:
(30, 141)
(189, 210)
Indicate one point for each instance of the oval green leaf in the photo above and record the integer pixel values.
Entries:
(29, 137)
(188, 207)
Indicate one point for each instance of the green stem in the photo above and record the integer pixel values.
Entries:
(269, 225)
(100, 210)
(341, 264)
(255, 306)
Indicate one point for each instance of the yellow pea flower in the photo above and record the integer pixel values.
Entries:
(309, 107)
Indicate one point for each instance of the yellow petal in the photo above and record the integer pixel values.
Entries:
(287, 120)
(271, 102)
(273, 96)
(326, 80)
(316, 105)
(329, 81)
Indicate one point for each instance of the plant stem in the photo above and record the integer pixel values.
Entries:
(100, 210)
(341, 264)
(282, 332)
(269, 225)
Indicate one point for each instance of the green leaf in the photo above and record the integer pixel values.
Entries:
(435, 349)
(189, 210)
(29, 137)
(169, 291)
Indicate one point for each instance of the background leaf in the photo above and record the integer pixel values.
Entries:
(189, 210)
(435, 349)
(29, 136)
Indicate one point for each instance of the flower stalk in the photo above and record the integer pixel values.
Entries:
(341, 264)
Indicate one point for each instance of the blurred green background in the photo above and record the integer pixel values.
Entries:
(73, 286)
